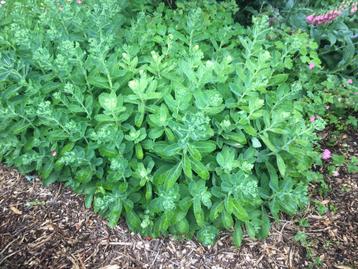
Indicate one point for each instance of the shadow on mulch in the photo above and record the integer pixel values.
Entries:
(50, 228)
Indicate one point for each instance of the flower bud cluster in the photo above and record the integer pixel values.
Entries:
(329, 16)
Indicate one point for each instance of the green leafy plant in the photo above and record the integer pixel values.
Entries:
(179, 120)
(333, 98)
(320, 207)
(303, 239)
(336, 34)
(353, 165)
(337, 162)
(332, 91)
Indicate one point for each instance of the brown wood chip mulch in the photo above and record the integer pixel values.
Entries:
(50, 228)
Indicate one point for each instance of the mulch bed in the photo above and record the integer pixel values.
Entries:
(50, 228)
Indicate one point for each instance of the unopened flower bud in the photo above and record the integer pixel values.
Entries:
(132, 84)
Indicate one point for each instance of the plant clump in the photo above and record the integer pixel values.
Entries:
(181, 121)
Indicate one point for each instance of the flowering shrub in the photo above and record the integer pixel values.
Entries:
(331, 23)
(331, 89)
(179, 120)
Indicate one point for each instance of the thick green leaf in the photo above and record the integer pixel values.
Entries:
(278, 79)
(255, 142)
(165, 221)
(47, 169)
(173, 175)
(265, 225)
(237, 236)
(98, 81)
(281, 165)
(200, 169)
(52, 178)
(226, 159)
(205, 147)
(215, 211)
(84, 175)
(273, 177)
(239, 212)
(187, 166)
(108, 101)
(194, 153)
(267, 142)
(114, 214)
(250, 229)
(227, 220)
(198, 213)
(133, 221)
(182, 227)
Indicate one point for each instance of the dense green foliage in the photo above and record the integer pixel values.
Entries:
(337, 40)
(182, 121)
(331, 91)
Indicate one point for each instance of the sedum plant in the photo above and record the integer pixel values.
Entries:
(180, 121)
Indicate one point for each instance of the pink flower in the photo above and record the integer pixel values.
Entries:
(335, 173)
(311, 66)
(312, 118)
(338, 13)
(354, 8)
(323, 18)
(79, 2)
(350, 81)
(310, 19)
(326, 154)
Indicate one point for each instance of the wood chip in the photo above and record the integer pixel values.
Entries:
(15, 210)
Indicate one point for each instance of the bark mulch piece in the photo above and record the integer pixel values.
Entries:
(50, 228)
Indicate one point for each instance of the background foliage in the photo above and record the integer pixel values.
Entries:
(332, 93)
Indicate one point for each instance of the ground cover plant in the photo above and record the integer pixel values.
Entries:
(181, 121)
